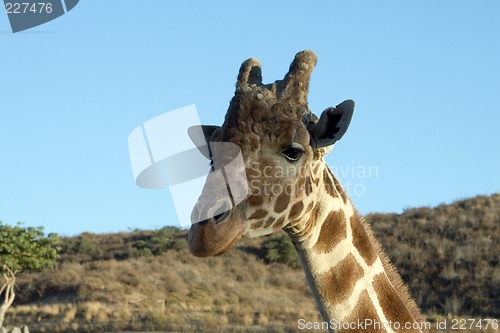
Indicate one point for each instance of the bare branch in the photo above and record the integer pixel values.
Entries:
(8, 287)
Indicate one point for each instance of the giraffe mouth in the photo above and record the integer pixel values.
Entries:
(216, 227)
(221, 217)
(211, 238)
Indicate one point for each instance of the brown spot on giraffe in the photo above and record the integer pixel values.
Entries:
(328, 182)
(296, 210)
(308, 185)
(366, 312)
(300, 186)
(255, 200)
(279, 223)
(340, 190)
(269, 221)
(310, 207)
(392, 305)
(311, 223)
(316, 169)
(257, 225)
(332, 231)
(337, 284)
(316, 182)
(299, 227)
(361, 240)
(282, 201)
(258, 214)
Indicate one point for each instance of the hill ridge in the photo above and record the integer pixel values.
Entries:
(147, 280)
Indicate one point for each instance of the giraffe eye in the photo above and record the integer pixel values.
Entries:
(293, 154)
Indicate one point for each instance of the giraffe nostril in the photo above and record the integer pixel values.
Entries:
(221, 217)
(221, 210)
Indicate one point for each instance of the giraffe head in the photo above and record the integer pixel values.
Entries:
(282, 144)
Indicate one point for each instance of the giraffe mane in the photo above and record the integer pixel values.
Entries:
(395, 279)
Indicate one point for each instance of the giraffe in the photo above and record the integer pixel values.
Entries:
(291, 188)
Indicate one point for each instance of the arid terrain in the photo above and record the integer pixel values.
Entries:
(146, 280)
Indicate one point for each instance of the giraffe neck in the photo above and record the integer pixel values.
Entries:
(349, 276)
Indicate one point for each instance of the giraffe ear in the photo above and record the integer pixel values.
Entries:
(332, 125)
(201, 136)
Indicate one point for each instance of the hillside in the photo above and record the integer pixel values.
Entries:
(147, 280)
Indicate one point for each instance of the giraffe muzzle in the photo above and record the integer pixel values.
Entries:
(214, 212)
(217, 234)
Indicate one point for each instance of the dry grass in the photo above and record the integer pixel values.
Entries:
(448, 255)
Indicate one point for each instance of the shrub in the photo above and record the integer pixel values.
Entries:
(280, 249)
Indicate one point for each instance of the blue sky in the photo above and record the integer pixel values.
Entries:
(425, 77)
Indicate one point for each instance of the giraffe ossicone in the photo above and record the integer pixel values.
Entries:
(290, 187)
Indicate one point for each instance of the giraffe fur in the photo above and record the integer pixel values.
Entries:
(291, 188)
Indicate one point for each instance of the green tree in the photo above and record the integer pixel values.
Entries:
(280, 249)
(22, 248)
